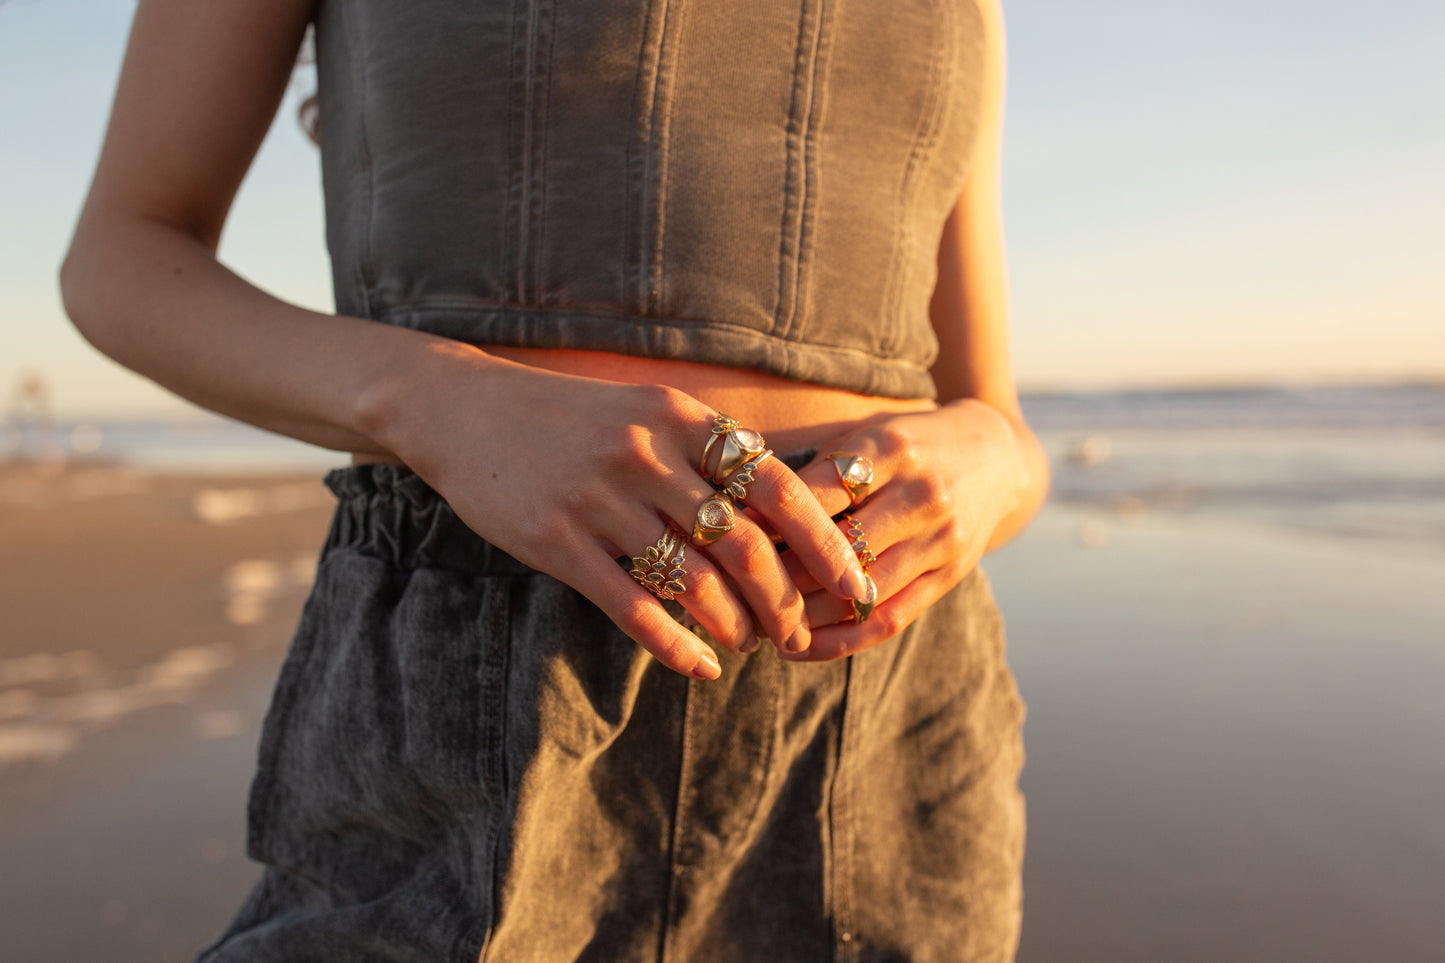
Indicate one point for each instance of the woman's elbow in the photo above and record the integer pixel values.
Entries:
(77, 284)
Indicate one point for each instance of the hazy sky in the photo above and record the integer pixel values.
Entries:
(1193, 192)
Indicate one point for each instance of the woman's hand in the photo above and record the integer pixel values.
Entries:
(568, 474)
(942, 481)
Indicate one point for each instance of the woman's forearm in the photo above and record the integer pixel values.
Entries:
(155, 299)
(1012, 443)
(1032, 495)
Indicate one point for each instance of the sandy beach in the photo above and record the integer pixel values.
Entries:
(1233, 729)
(144, 619)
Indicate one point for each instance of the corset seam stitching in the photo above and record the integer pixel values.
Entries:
(924, 139)
(539, 212)
(514, 221)
(669, 43)
(795, 169)
(812, 199)
(365, 266)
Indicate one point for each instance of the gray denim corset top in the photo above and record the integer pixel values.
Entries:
(754, 183)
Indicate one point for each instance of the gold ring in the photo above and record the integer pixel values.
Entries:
(859, 542)
(660, 569)
(855, 472)
(862, 608)
(740, 446)
(715, 518)
(721, 425)
(737, 483)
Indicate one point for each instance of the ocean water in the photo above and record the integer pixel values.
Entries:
(1356, 461)
(1362, 461)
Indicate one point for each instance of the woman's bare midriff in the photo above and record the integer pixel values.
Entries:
(792, 415)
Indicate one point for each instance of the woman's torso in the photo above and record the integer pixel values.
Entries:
(742, 200)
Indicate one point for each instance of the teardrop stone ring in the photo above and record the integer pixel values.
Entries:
(855, 472)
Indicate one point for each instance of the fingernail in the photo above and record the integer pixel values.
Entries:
(797, 642)
(751, 645)
(855, 583)
(870, 591)
(707, 667)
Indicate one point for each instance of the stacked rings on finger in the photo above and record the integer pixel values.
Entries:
(862, 608)
(859, 542)
(855, 472)
(737, 483)
(660, 569)
(740, 446)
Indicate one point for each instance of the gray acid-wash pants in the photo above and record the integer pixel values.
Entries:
(464, 758)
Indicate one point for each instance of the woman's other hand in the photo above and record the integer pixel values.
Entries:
(943, 481)
(568, 474)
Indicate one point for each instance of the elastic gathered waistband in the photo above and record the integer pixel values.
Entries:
(388, 511)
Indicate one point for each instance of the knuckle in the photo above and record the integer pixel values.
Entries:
(549, 528)
(633, 442)
(752, 549)
(664, 405)
(636, 616)
(890, 622)
(788, 497)
(705, 585)
(907, 454)
(935, 489)
(577, 501)
(646, 622)
(896, 442)
(670, 652)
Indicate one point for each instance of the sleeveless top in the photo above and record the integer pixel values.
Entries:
(754, 183)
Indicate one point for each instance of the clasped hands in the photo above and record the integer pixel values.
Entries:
(941, 482)
(620, 464)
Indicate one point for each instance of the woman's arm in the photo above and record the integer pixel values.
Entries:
(199, 87)
(970, 299)
(564, 473)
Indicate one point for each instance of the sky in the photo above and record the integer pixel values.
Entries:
(1195, 193)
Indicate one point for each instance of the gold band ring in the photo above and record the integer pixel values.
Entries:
(855, 472)
(715, 518)
(859, 542)
(660, 568)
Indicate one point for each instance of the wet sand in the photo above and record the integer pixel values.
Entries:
(1234, 742)
(1234, 732)
(144, 619)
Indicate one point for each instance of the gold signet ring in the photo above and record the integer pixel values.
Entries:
(715, 518)
(855, 472)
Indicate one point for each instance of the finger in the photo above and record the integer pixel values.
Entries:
(891, 572)
(889, 618)
(883, 524)
(822, 477)
(793, 511)
(747, 556)
(642, 617)
(748, 559)
(705, 594)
